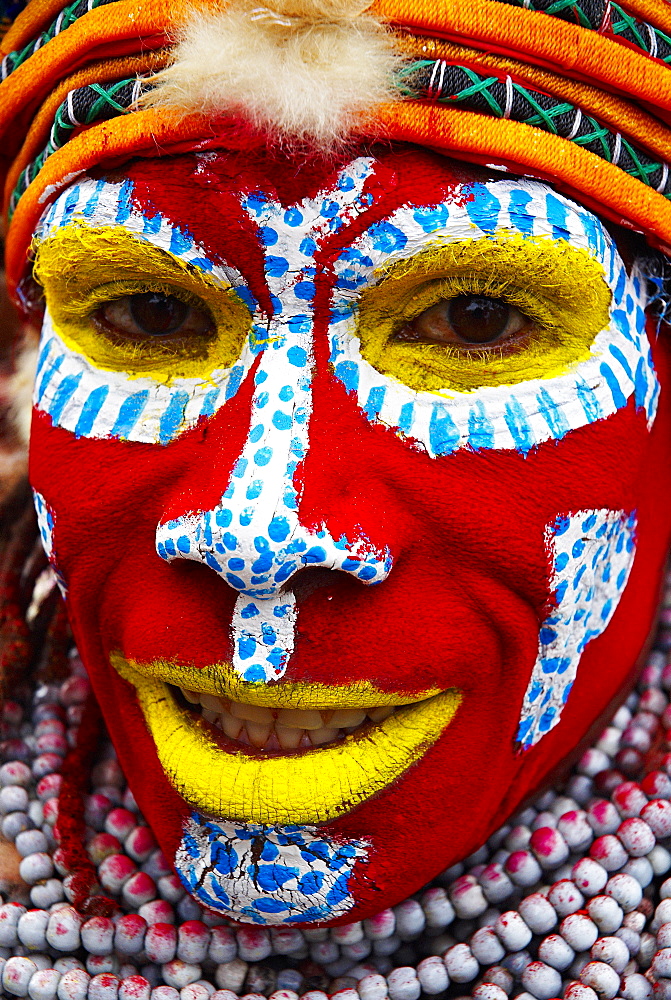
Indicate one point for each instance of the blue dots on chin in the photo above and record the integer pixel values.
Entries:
(263, 456)
(282, 421)
(297, 356)
(255, 673)
(183, 544)
(367, 573)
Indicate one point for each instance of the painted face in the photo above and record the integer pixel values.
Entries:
(355, 480)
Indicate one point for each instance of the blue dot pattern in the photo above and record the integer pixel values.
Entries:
(510, 416)
(267, 874)
(45, 525)
(254, 538)
(591, 554)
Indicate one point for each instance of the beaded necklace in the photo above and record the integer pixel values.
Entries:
(568, 899)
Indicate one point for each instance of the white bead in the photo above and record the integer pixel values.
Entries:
(662, 913)
(437, 908)
(518, 838)
(357, 952)
(160, 943)
(512, 931)
(661, 963)
(625, 890)
(134, 988)
(467, 898)
(538, 913)
(371, 988)
(45, 894)
(13, 798)
(223, 946)
(44, 984)
(486, 946)
(348, 933)
(381, 926)
(542, 981)
(32, 928)
(589, 876)
(432, 975)
(98, 936)
(461, 964)
(63, 929)
(489, 991)
(565, 897)
(495, 883)
(603, 817)
(194, 992)
(641, 870)
(611, 950)
(647, 949)
(579, 931)
(523, 868)
(575, 830)
(609, 852)
(165, 993)
(67, 963)
(179, 974)
(17, 974)
(629, 799)
(636, 836)
(657, 814)
(497, 975)
(403, 983)
(253, 943)
(193, 938)
(576, 991)
(282, 995)
(310, 995)
(592, 762)
(602, 979)
(410, 919)
(36, 867)
(231, 975)
(10, 914)
(660, 859)
(549, 847)
(129, 934)
(31, 842)
(555, 951)
(635, 987)
(103, 987)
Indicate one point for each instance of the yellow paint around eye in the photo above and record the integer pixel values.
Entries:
(222, 680)
(310, 787)
(561, 288)
(82, 267)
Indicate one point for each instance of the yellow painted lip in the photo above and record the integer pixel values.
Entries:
(220, 679)
(312, 787)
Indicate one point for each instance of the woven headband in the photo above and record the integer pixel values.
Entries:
(577, 92)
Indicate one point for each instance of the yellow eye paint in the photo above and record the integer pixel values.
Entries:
(82, 267)
(311, 787)
(561, 288)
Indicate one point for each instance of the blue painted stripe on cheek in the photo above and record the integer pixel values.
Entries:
(518, 425)
(129, 412)
(588, 401)
(173, 416)
(406, 418)
(552, 414)
(480, 429)
(90, 410)
(483, 209)
(443, 434)
(375, 401)
(63, 395)
(613, 384)
(124, 204)
(48, 375)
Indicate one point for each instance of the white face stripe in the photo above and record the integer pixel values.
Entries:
(254, 537)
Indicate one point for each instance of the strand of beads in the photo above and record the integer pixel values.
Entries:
(564, 900)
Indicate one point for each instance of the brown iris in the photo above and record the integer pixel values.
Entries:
(475, 321)
(149, 315)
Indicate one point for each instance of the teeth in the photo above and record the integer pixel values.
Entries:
(323, 735)
(342, 718)
(281, 729)
(252, 713)
(300, 719)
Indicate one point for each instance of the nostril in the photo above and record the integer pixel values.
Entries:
(307, 581)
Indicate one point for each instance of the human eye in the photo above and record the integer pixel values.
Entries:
(130, 306)
(467, 314)
(154, 316)
(470, 323)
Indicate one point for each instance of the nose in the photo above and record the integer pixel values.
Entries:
(254, 538)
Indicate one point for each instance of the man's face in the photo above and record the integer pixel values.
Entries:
(354, 477)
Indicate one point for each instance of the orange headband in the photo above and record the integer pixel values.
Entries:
(586, 106)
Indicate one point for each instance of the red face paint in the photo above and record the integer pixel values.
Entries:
(469, 585)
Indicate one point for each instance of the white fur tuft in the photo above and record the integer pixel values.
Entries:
(306, 70)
